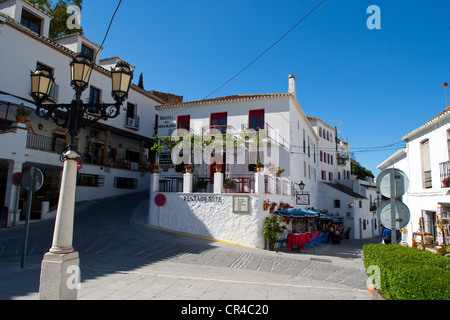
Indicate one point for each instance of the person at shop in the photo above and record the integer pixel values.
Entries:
(386, 236)
(338, 233)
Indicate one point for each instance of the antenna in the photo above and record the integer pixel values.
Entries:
(338, 128)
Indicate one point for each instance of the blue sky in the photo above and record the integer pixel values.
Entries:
(380, 84)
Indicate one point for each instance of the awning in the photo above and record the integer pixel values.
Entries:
(9, 105)
(6, 98)
(297, 213)
(325, 216)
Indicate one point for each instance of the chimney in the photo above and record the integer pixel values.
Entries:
(292, 85)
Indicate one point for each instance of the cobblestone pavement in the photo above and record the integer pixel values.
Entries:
(122, 258)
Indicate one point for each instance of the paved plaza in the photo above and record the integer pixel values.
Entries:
(121, 258)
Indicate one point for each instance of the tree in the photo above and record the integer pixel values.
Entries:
(360, 171)
(58, 9)
(141, 81)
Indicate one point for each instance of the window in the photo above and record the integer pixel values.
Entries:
(304, 169)
(31, 21)
(321, 156)
(324, 175)
(94, 96)
(337, 203)
(90, 180)
(184, 122)
(125, 183)
(219, 121)
(426, 165)
(88, 52)
(330, 176)
(320, 131)
(256, 119)
(304, 142)
(448, 143)
(131, 111)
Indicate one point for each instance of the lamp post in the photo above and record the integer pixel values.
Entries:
(57, 271)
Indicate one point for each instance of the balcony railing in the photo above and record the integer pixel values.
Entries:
(38, 142)
(444, 169)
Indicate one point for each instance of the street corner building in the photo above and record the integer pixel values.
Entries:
(425, 161)
(115, 154)
(298, 162)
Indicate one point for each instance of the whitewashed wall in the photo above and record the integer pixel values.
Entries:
(213, 219)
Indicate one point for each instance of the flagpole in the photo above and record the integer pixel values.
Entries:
(445, 89)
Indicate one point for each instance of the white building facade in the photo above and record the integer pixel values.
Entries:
(425, 161)
(114, 153)
(307, 150)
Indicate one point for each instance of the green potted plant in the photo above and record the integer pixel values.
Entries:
(188, 168)
(154, 167)
(272, 229)
(446, 182)
(22, 112)
(259, 166)
(279, 171)
(230, 183)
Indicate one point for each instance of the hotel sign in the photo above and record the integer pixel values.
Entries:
(302, 199)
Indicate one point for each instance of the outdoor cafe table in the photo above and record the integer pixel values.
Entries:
(299, 239)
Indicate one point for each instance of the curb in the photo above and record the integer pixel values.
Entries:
(373, 292)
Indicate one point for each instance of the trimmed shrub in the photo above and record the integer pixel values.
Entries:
(409, 273)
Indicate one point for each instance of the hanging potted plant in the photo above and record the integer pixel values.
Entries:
(189, 168)
(22, 112)
(279, 171)
(272, 206)
(266, 205)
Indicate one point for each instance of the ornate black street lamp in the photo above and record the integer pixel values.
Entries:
(62, 260)
(77, 114)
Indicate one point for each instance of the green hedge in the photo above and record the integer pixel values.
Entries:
(409, 273)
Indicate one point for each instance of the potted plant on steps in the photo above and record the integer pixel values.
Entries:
(272, 229)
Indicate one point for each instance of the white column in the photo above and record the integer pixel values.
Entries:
(60, 264)
(187, 182)
(218, 182)
(259, 183)
(272, 184)
(12, 193)
(154, 183)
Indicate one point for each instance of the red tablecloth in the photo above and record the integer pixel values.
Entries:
(299, 239)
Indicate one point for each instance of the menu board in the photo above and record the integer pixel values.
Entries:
(241, 204)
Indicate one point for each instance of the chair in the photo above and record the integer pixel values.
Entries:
(311, 244)
(282, 239)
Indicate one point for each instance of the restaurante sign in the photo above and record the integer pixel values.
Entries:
(202, 199)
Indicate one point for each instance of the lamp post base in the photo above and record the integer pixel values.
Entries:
(59, 276)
